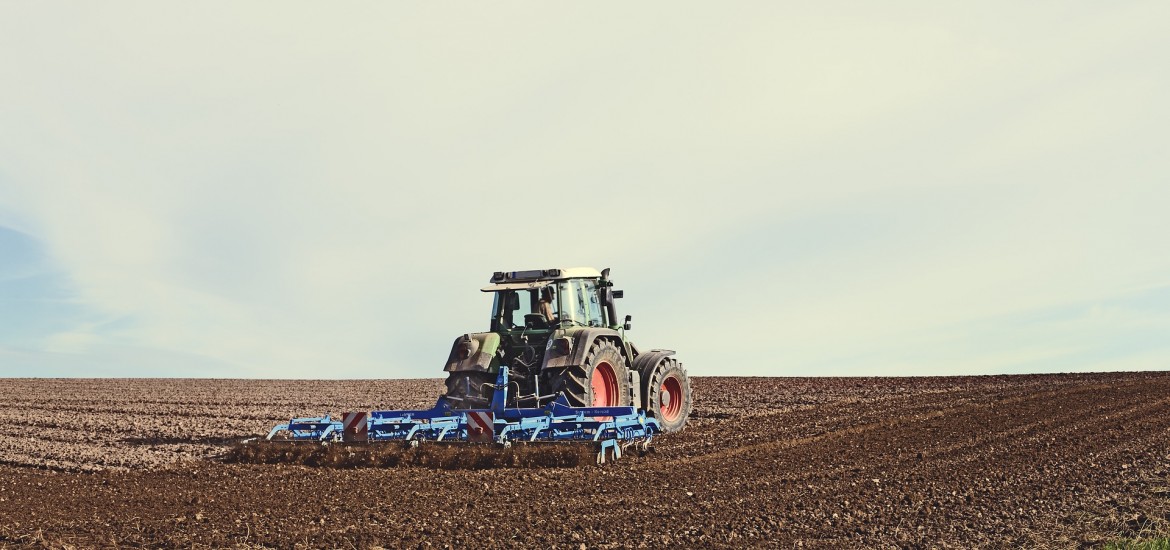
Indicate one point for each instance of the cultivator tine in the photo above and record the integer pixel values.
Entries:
(614, 449)
(279, 428)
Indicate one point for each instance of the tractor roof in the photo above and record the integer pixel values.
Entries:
(536, 278)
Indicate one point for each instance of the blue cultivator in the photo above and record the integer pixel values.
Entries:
(611, 428)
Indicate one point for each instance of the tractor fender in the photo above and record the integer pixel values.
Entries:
(582, 340)
(473, 352)
(645, 363)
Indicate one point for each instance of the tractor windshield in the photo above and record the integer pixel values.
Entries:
(535, 308)
(574, 300)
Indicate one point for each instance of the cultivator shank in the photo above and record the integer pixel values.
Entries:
(609, 428)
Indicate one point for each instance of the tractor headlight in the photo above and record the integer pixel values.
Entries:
(564, 345)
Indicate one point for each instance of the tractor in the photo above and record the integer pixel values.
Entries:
(555, 366)
(559, 333)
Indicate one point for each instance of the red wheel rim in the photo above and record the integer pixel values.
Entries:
(605, 386)
(670, 399)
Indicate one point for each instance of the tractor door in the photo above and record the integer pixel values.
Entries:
(580, 302)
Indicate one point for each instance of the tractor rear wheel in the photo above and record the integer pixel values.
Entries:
(668, 395)
(602, 381)
(470, 389)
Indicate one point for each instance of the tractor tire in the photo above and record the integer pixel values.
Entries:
(668, 395)
(602, 381)
(480, 384)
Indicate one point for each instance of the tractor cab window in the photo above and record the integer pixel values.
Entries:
(570, 310)
(523, 308)
(510, 308)
(579, 302)
(592, 304)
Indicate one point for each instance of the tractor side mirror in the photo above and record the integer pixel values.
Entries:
(618, 294)
(513, 302)
(628, 319)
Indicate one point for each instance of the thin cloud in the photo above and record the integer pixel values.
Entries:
(780, 190)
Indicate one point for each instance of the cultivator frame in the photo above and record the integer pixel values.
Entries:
(610, 428)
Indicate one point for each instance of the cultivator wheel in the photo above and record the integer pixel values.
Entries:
(668, 395)
(602, 381)
(470, 389)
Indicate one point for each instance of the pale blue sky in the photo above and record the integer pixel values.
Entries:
(307, 190)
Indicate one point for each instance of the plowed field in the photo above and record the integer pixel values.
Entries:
(1039, 460)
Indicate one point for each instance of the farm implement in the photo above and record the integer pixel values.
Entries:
(556, 366)
(611, 429)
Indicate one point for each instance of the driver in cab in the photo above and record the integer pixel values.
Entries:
(546, 308)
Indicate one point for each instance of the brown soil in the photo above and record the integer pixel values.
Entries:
(438, 455)
(1044, 460)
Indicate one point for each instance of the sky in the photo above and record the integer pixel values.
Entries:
(307, 190)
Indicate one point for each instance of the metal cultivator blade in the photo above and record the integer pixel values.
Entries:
(611, 428)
